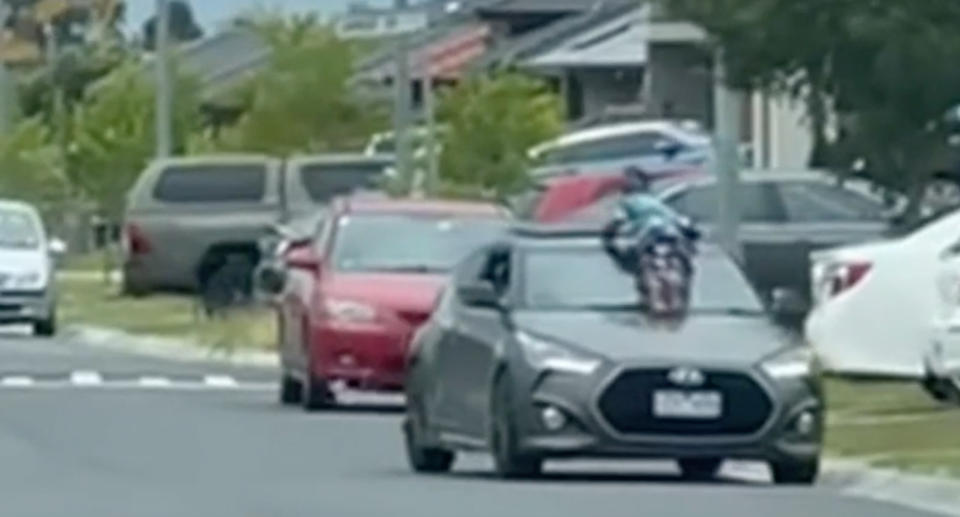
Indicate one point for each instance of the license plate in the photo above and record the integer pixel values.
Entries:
(702, 405)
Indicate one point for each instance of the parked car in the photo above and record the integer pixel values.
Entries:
(655, 146)
(874, 303)
(784, 216)
(194, 223)
(353, 296)
(27, 265)
(538, 350)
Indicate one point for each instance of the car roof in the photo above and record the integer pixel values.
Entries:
(216, 159)
(367, 205)
(12, 204)
(340, 158)
(614, 130)
(575, 235)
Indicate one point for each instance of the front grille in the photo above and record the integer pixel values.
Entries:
(627, 405)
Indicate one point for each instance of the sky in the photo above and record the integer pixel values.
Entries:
(210, 13)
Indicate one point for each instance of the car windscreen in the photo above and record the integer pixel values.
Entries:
(18, 229)
(233, 183)
(324, 182)
(585, 278)
(409, 243)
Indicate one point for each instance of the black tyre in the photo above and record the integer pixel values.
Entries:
(423, 459)
(291, 390)
(229, 285)
(795, 472)
(316, 394)
(700, 469)
(508, 461)
(47, 327)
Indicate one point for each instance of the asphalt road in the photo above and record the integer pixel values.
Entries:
(85, 432)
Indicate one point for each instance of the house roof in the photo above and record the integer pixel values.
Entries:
(620, 41)
(512, 51)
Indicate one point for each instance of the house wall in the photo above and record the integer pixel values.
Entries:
(781, 139)
(679, 83)
(599, 88)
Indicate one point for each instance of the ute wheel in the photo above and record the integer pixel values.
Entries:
(508, 461)
(700, 469)
(229, 285)
(47, 327)
(795, 472)
(316, 394)
(291, 390)
(423, 459)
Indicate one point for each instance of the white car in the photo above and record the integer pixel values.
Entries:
(942, 359)
(27, 293)
(654, 146)
(874, 303)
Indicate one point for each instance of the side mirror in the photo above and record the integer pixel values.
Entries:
(303, 257)
(480, 294)
(788, 306)
(57, 246)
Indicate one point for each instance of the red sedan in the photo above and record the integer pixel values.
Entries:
(357, 292)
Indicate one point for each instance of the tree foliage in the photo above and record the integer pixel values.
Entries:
(113, 134)
(492, 122)
(887, 69)
(31, 168)
(304, 101)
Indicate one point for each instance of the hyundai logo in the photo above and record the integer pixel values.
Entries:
(684, 376)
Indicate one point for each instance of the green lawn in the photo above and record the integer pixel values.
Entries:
(89, 300)
(892, 424)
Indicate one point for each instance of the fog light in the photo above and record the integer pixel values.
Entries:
(553, 418)
(805, 423)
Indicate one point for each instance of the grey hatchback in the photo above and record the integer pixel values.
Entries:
(538, 350)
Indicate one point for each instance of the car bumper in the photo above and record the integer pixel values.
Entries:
(26, 306)
(364, 356)
(587, 432)
(942, 360)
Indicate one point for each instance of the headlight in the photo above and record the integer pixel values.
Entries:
(547, 355)
(30, 280)
(350, 311)
(795, 362)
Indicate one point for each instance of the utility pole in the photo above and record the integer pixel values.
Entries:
(728, 109)
(430, 107)
(164, 108)
(401, 111)
(59, 99)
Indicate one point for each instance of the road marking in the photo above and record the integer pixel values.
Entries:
(16, 382)
(86, 378)
(154, 382)
(220, 381)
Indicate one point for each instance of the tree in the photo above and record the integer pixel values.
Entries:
(492, 122)
(31, 168)
(885, 68)
(113, 134)
(304, 100)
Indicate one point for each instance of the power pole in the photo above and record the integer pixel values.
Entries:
(430, 107)
(728, 110)
(164, 108)
(401, 111)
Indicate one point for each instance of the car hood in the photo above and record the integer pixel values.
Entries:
(623, 336)
(401, 292)
(20, 261)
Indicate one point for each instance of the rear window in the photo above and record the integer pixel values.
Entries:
(212, 184)
(327, 181)
(818, 202)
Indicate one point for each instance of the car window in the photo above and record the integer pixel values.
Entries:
(212, 184)
(409, 243)
(585, 277)
(324, 182)
(497, 270)
(756, 200)
(636, 144)
(807, 201)
(19, 229)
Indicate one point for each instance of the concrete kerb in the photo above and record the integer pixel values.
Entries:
(166, 348)
(938, 495)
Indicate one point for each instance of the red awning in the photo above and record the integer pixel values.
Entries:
(447, 57)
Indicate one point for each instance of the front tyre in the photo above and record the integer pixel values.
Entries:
(700, 469)
(316, 394)
(795, 472)
(508, 461)
(422, 458)
(47, 327)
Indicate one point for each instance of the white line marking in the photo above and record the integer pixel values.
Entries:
(154, 382)
(86, 378)
(220, 381)
(16, 382)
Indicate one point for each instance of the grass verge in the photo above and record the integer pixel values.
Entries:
(89, 300)
(893, 424)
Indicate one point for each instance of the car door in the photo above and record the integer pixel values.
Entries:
(472, 346)
(762, 220)
(296, 305)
